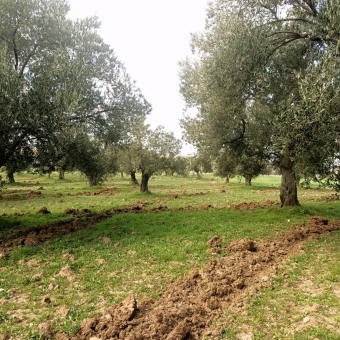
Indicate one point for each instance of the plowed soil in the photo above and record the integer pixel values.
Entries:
(35, 194)
(85, 218)
(254, 205)
(188, 307)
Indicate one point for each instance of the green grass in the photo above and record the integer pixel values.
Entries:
(146, 251)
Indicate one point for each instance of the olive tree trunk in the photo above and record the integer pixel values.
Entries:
(144, 187)
(10, 176)
(93, 180)
(288, 190)
(248, 180)
(61, 174)
(133, 178)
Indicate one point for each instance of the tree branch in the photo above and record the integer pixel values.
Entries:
(27, 60)
(292, 19)
(311, 5)
(241, 135)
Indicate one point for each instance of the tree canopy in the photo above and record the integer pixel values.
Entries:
(264, 78)
(58, 76)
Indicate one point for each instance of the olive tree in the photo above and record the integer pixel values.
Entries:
(58, 74)
(261, 54)
(158, 145)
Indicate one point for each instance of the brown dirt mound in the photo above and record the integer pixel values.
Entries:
(101, 192)
(43, 211)
(253, 205)
(188, 307)
(71, 211)
(18, 197)
(36, 235)
(35, 194)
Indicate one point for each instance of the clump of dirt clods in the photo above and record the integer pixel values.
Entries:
(214, 245)
(241, 245)
(188, 307)
(43, 211)
(253, 205)
(70, 211)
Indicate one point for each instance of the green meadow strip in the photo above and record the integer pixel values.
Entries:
(75, 276)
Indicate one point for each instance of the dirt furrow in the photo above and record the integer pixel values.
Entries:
(188, 307)
(85, 218)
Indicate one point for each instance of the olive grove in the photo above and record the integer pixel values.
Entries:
(264, 78)
(60, 82)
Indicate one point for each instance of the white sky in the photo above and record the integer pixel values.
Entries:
(150, 37)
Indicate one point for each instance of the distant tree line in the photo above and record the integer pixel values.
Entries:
(67, 102)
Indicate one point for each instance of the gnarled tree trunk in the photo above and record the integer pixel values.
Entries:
(61, 174)
(93, 180)
(248, 180)
(10, 176)
(288, 190)
(297, 179)
(144, 187)
(227, 179)
(133, 179)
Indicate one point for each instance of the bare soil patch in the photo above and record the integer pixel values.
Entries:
(34, 194)
(254, 205)
(188, 307)
(19, 197)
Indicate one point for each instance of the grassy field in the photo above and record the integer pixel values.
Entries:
(72, 277)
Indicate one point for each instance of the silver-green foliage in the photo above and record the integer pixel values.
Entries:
(57, 74)
(264, 76)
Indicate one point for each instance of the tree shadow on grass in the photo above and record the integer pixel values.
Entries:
(7, 224)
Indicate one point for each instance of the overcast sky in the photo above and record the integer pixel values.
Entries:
(150, 37)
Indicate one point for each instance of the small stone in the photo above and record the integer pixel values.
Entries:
(306, 319)
(245, 336)
(50, 286)
(265, 278)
